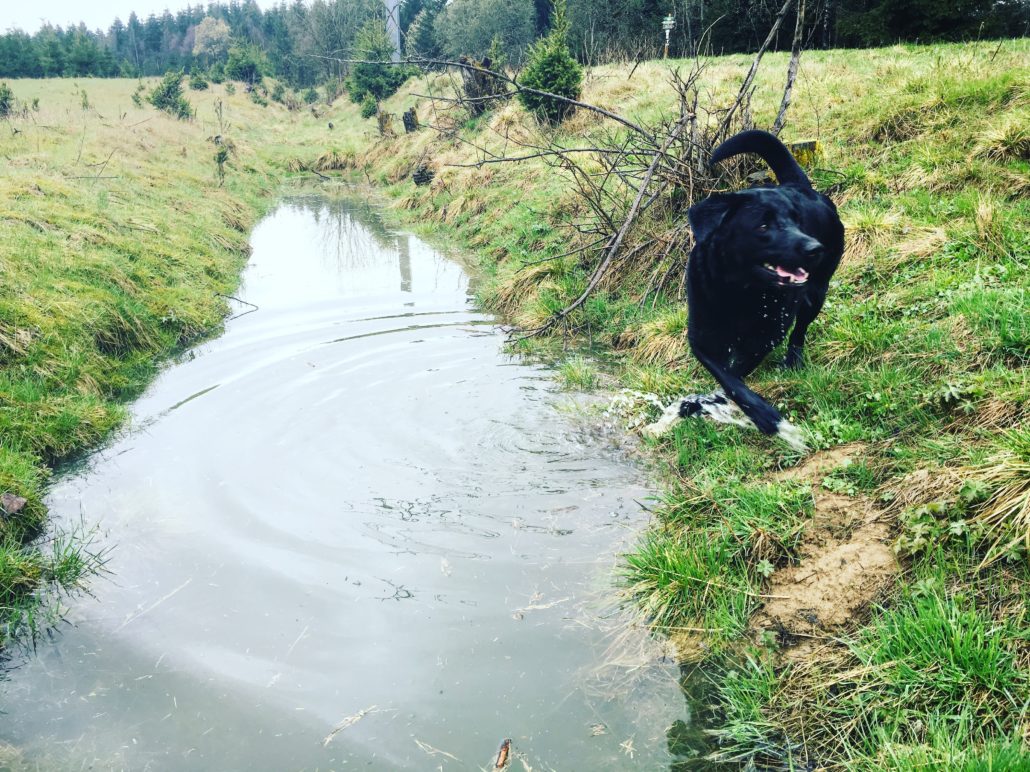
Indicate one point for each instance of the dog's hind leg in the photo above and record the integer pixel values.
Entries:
(809, 310)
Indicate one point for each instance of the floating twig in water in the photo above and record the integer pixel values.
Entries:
(348, 722)
(155, 604)
(435, 751)
(520, 612)
(253, 307)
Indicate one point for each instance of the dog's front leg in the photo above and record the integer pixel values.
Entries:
(809, 310)
(762, 414)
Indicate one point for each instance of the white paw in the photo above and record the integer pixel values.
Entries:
(792, 435)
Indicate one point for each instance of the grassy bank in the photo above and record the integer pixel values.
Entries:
(863, 605)
(117, 247)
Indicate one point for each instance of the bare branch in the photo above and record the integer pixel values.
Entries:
(617, 242)
(792, 70)
(745, 87)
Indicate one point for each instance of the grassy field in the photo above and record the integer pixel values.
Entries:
(863, 606)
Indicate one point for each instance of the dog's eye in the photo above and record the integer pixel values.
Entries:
(763, 227)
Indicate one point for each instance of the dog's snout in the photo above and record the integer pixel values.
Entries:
(811, 248)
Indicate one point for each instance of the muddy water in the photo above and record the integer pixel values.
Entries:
(351, 513)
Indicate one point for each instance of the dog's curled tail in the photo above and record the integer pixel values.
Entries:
(772, 151)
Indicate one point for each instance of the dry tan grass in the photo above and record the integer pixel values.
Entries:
(922, 486)
(908, 122)
(515, 291)
(334, 160)
(1006, 514)
(919, 244)
(1006, 140)
(867, 231)
(989, 227)
(659, 341)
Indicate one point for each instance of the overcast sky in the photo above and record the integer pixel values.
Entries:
(29, 15)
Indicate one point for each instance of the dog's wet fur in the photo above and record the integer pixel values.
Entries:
(761, 264)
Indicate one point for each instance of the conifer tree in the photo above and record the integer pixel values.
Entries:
(552, 68)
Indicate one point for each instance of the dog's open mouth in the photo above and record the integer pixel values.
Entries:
(787, 275)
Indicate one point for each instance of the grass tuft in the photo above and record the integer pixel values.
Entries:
(1006, 513)
(1006, 140)
(578, 372)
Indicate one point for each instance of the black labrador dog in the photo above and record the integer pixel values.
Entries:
(762, 262)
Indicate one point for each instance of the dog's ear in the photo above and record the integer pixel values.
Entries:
(706, 216)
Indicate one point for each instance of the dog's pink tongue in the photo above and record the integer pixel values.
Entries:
(800, 274)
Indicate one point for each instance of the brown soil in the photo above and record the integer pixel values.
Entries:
(846, 562)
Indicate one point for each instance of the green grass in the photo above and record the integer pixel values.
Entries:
(578, 372)
(935, 679)
(704, 569)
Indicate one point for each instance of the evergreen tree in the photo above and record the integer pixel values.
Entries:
(375, 75)
(51, 55)
(6, 100)
(551, 68)
(167, 96)
(421, 42)
(468, 27)
(244, 64)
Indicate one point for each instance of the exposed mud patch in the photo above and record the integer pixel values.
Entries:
(846, 561)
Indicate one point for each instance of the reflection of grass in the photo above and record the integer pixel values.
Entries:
(919, 354)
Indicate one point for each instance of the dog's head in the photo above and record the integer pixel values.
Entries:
(757, 236)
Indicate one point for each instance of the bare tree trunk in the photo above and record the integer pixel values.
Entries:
(792, 70)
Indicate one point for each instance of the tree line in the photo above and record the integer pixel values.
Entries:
(302, 43)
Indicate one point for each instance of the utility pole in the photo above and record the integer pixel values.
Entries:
(393, 26)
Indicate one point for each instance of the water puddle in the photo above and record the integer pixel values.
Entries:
(349, 532)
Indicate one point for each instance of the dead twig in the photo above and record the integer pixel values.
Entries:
(614, 248)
